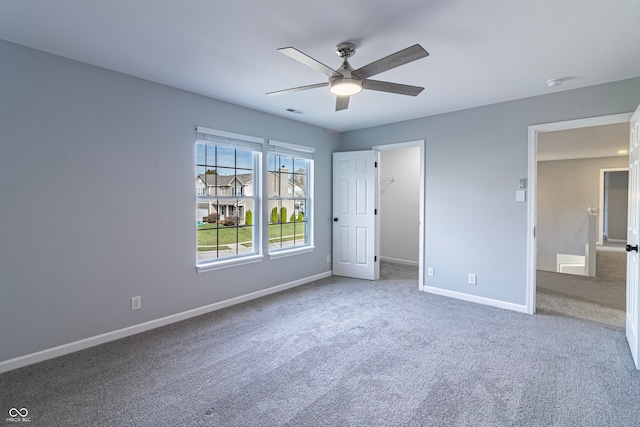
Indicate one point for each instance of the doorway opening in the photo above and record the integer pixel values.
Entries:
(542, 261)
(401, 178)
(614, 204)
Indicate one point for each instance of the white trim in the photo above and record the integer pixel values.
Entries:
(600, 240)
(532, 220)
(61, 350)
(311, 201)
(476, 299)
(534, 130)
(400, 261)
(398, 146)
(583, 123)
(291, 252)
(226, 263)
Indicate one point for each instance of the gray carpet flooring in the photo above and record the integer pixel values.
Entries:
(590, 298)
(343, 352)
(599, 299)
(611, 262)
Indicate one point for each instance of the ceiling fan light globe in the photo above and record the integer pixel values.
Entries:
(345, 87)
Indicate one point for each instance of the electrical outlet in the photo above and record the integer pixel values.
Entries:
(430, 271)
(136, 303)
(472, 279)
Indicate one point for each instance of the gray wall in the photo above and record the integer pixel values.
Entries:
(617, 204)
(474, 159)
(566, 188)
(97, 189)
(399, 204)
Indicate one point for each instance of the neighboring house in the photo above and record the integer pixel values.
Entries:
(287, 189)
(211, 184)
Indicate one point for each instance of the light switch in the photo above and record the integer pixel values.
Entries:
(521, 195)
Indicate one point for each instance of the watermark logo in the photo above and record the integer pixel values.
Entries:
(18, 415)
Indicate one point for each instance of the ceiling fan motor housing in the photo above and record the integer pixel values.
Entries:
(345, 50)
(345, 84)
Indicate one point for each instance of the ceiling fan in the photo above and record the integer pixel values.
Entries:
(345, 81)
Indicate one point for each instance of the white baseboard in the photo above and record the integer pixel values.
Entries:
(50, 353)
(400, 261)
(474, 298)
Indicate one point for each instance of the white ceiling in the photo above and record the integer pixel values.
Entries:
(592, 141)
(482, 52)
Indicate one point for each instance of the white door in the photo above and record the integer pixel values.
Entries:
(354, 214)
(633, 237)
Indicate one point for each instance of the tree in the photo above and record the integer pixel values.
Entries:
(212, 172)
(283, 214)
(298, 177)
(248, 218)
(293, 218)
(300, 216)
(274, 215)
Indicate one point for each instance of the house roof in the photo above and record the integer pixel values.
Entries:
(213, 180)
(481, 52)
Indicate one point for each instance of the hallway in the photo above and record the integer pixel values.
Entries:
(600, 299)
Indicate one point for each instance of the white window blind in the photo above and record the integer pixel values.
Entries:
(228, 139)
(293, 150)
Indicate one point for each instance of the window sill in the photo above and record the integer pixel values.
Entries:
(217, 265)
(291, 252)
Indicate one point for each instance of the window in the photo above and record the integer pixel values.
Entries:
(290, 170)
(238, 191)
(227, 198)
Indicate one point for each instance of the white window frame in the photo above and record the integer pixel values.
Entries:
(236, 141)
(300, 152)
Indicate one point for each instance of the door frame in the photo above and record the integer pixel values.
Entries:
(398, 146)
(532, 179)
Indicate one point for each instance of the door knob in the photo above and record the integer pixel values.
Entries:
(630, 248)
(335, 219)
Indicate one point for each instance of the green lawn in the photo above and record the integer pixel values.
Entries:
(284, 232)
(212, 235)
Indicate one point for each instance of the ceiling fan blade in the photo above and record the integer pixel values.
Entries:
(294, 53)
(299, 88)
(392, 87)
(342, 102)
(392, 61)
